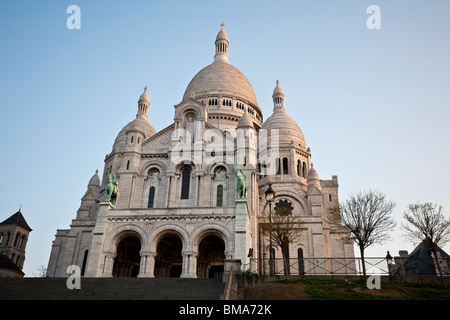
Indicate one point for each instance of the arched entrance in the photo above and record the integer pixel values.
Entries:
(211, 253)
(127, 261)
(168, 261)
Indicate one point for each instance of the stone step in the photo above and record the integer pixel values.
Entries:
(111, 288)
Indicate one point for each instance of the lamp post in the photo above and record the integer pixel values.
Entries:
(389, 263)
(269, 199)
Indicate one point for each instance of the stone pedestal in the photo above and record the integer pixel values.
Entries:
(242, 238)
(98, 264)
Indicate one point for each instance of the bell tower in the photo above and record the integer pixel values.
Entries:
(14, 233)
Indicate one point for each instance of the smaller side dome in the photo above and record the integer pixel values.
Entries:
(312, 173)
(95, 180)
(139, 124)
(313, 179)
(288, 129)
(245, 121)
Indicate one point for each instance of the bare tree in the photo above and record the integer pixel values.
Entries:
(283, 229)
(368, 217)
(426, 222)
(41, 272)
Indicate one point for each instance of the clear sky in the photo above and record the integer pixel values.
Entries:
(374, 105)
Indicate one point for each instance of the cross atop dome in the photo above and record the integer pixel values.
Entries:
(222, 25)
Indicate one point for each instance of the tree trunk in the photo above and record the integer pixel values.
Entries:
(361, 250)
(439, 267)
(285, 262)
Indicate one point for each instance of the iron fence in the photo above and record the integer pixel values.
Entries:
(347, 266)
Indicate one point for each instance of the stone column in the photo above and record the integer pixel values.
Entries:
(189, 268)
(147, 265)
(193, 264)
(108, 264)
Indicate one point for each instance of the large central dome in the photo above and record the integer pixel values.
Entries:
(224, 89)
(221, 77)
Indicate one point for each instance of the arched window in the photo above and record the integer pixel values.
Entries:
(1, 237)
(219, 202)
(299, 166)
(273, 254)
(285, 166)
(301, 262)
(304, 170)
(185, 181)
(83, 266)
(22, 239)
(128, 164)
(278, 165)
(17, 238)
(151, 197)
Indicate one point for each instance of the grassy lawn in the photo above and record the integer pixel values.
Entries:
(337, 289)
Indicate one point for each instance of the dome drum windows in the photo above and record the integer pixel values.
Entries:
(212, 102)
(227, 103)
(240, 105)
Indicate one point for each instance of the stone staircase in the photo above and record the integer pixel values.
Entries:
(111, 288)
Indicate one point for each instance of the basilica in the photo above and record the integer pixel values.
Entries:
(181, 201)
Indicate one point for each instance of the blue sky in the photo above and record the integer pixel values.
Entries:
(374, 105)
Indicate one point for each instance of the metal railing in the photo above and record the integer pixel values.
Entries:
(346, 266)
(227, 290)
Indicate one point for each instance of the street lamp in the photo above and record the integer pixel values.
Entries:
(389, 261)
(270, 194)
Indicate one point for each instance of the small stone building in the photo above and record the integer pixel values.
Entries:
(14, 233)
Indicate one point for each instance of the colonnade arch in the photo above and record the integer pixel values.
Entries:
(211, 256)
(127, 257)
(168, 251)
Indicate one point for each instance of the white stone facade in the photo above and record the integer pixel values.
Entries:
(178, 212)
